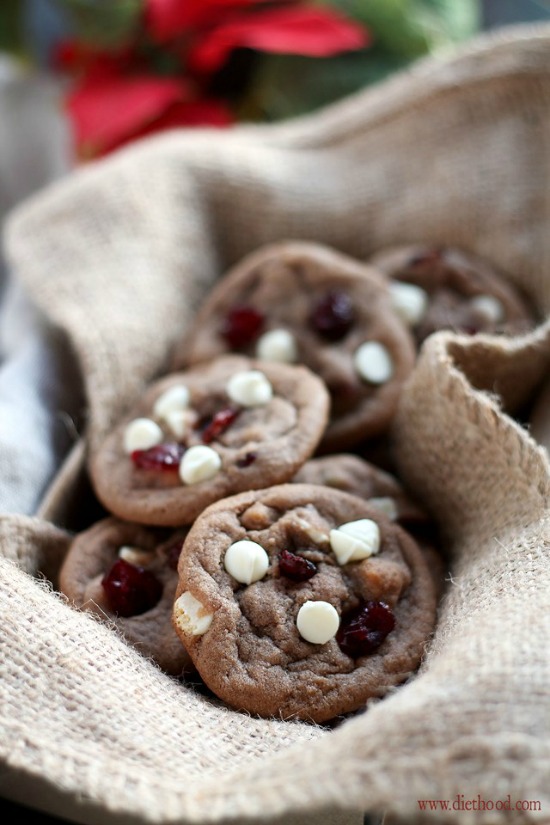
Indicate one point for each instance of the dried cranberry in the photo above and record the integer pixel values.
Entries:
(218, 424)
(333, 315)
(131, 590)
(162, 457)
(296, 567)
(363, 629)
(246, 460)
(241, 326)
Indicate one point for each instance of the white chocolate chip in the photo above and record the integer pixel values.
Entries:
(135, 556)
(249, 388)
(373, 362)
(191, 616)
(317, 622)
(277, 345)
(180, 421)
(141, 434)
(489, 307)
(199, 463)
(246, 561)
(386, 505)
(409, 301)
(173, 399)
(355, 540)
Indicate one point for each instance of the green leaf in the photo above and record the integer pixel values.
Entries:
(402, 31)
(460, 19)
(286, 86)
(104, 23)
(391, 22)
(411, 28)
(11, 28)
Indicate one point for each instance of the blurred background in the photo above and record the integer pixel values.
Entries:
(125, 68)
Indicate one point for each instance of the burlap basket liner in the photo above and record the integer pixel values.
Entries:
(119, 256)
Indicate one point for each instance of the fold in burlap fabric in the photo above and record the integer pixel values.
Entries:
(119, 256)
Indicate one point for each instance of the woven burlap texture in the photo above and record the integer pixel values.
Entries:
(456, 151)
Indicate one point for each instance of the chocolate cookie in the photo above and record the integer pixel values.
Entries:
(126, 573)
(437, 288)
(350, 473)
(197, 436)
(301, 602)
(304, 302)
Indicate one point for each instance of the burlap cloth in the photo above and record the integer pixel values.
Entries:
(118, 256)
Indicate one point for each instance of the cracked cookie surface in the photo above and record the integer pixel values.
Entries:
(301, 302)
(352, 474)
(197, 436)
(443, 287)
(249, 625)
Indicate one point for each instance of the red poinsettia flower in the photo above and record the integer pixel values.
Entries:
(121, 95)
(168, 19)
(309, 31)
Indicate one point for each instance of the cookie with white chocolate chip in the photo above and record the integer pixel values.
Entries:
(443, 287)
(352, 474)
(199, 435)
(301, 602)
(300, 302)
(382, 490)
(126, 573)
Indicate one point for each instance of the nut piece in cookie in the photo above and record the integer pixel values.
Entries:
(437, 288)
(303, 602)
(126, 573)
(197, 436)
(298, 302)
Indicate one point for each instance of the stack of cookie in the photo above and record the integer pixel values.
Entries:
(249, 544)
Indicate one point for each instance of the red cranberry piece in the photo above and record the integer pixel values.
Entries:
(161, 457)
(364, 629)
(333, 315)
(246, 460)
(218, 424)
(241, 326)
(296, 567)
(131, 590)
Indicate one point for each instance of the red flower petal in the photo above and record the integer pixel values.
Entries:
(203, 112)
(310, 31)
(77, 57)
(67, 55)
(167, 19)
(106, 111)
